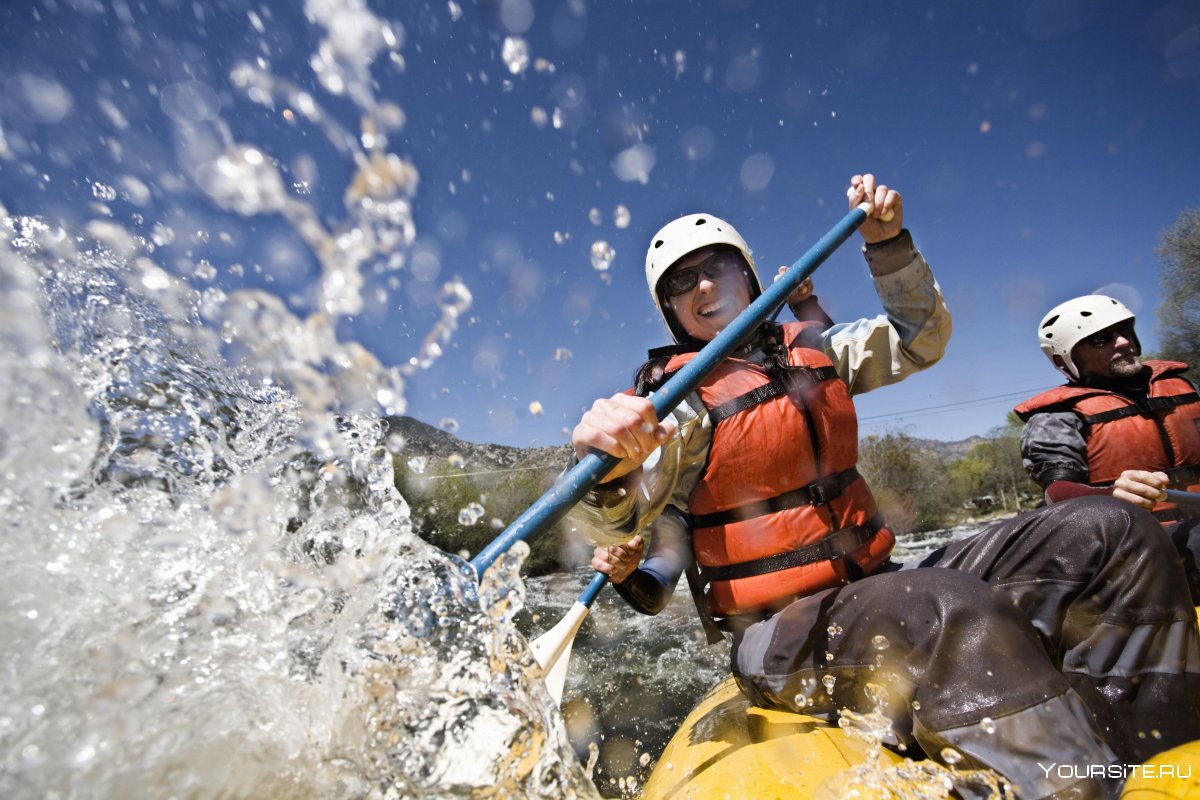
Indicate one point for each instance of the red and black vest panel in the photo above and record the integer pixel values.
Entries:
(780, 510)
(1160, 433)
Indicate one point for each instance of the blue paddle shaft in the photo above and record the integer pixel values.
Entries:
(580, 479)
(1183, 498)
(593, 589)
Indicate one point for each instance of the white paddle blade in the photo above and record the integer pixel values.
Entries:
(552, 650)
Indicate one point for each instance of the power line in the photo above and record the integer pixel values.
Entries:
(926, 410)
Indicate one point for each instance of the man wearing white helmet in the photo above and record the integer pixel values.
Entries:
(749, 487)
(1118, 426)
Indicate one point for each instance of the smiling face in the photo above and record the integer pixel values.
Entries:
(704, 310)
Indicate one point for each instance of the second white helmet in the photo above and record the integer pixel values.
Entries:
(686, 235)
(1069, 323)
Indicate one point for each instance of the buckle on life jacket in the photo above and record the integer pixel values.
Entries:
(825, 490)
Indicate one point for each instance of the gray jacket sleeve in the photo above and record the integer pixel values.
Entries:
(1053, 448)
(909, 336)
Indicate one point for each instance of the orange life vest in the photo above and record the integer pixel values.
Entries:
(780, 511)
(1160, 433)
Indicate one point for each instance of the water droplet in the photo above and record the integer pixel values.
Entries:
(988, 725)
(243, 180)
(449, 425)
(471, 514)
(85, 754)
(102, 191)
(538, 116)
(417, 464)
(204, 271)
(456, 11)
(162, 235)
(515, 53)
(880, 642)
(621, 217)
(455, 460)
(829, 682)
(535, 408)
(562, 354)
(602, 255)
(950, 756)
(594, 216)
(834, 630)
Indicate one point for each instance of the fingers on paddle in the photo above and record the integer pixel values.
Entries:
(885, 202)
(623, 425)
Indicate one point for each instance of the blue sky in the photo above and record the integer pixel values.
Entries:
(1041, 147)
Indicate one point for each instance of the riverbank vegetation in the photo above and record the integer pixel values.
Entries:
(920, 486)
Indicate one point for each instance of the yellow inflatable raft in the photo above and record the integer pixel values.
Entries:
(727, 748)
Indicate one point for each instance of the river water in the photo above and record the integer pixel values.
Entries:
(634, 678)
(211, 584)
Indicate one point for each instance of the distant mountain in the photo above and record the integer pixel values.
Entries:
(950, 451)
(426, 440)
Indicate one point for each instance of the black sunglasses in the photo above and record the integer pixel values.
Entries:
(1106, 336)
(719, 264)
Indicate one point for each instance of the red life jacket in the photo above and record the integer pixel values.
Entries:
(780, 511)
(1160, 433)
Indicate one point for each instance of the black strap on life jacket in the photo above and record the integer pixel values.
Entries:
(1146, 405)
(1183, 476)
(712, 630)
(672, 350)
(790, 381)
(818, 493)
(839, 544)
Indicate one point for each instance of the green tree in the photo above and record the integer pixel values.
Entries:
(462, 512)
(1179, 313)
(911, 485)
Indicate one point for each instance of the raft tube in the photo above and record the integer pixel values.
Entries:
(727, 748)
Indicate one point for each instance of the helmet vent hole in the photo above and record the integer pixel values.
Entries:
(658, 244)
(1085, 313)
(1050, 322)
(701, 221)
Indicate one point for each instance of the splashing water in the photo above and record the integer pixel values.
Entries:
(908, 779)
(212, 587)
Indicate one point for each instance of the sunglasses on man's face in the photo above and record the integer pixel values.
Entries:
(717, 265)
(1106, 337)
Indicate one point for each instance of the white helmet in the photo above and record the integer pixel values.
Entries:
(1071, 322)
(686, 235)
